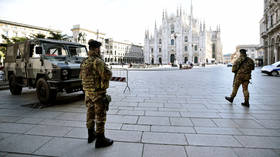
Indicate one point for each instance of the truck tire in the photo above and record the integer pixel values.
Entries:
(15, 89)
(44, 92)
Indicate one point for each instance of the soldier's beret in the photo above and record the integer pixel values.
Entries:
(94, 43)
(243, 51)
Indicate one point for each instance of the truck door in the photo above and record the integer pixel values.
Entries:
(20, 61)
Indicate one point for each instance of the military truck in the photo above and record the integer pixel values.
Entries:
(50, 66)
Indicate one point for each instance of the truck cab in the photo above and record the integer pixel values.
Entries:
(50, 66)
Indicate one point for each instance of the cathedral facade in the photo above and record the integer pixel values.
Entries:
(181, 39)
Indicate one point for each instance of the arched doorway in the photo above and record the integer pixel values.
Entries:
(152, 61)
(186, 59)
(159, 60)
(195, 59)
(172, 58)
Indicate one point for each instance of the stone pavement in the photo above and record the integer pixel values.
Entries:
(166, 113)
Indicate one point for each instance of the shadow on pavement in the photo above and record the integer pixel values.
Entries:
(61, 99)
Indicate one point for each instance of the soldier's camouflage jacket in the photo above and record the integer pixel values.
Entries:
(95, 75)
(243, 72)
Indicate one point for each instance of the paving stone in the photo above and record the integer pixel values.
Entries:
(181, 121)
(151, 150)
(67, 147)
(114, 126)
(150, 104)
(146, 108)
(48, 130)
(266, 116)
(22, 143)
(11, 112)
(164, 114)
(20, 155)
(136, 127)
(9, 119)
(203, 122)
(244, 152)
(261, 132)
(259, 142)
(174, 129)
(15, 128)
(212, 140)
(72, 116)
(30, 120)
(42, 114)
(121, 135)
(236, 116)
(154, 120)
(4, 135)
(199, 115)
(217, 131)
(78, 133)
(164, 138)
(122, 119)
(173, 105)
(225, 123)
(277, 151)
(274, 124)
(129, 112)
(194, 151)
(66, 123)
(247, 123)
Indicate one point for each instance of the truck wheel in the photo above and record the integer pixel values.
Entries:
(44, 93)
(274, 73)
(14, 88)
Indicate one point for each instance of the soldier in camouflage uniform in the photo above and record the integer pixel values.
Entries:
(95, 79)
(242, 68)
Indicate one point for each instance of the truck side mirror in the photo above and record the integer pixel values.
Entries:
(39, 50)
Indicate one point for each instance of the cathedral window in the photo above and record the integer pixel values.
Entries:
(152, 50)
(186, 38)
(159, 41)
(172, 41)
(172, 28)
(195, 47)
(159, 49)
(186, 48)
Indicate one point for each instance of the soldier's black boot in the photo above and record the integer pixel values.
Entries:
(246, 104)
(102, 141)
(91, 135)
(230, 99)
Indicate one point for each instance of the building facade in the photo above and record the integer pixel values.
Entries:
(13, 29)
(270, 31)
(180, 39)
(253, 52)
(227, 58)
(83, 35)
(112, 51)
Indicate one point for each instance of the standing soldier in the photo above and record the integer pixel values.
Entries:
(95, 79)
(242, 68)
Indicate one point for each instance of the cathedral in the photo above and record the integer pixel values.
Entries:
(182, 39)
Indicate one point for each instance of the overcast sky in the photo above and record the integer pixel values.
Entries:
(128, 19)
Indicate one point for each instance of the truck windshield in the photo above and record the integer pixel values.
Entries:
(55, 50)
(77, 51)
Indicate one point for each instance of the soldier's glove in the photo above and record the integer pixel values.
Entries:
(106, 100)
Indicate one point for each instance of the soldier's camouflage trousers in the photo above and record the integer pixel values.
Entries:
(244, 84)
(96, 112)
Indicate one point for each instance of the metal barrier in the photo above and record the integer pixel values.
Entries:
(120, 75)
